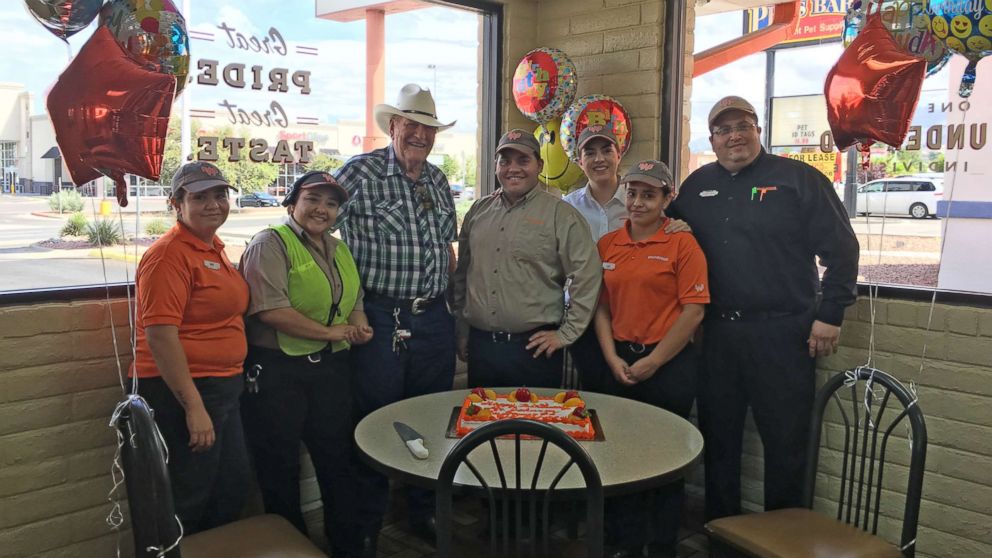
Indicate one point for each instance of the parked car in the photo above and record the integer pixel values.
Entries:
(258, 199)
(916, 196)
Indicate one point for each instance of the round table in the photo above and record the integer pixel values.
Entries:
(644, 446)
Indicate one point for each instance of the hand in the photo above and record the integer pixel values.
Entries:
(677, 225)
(340, 332)
(546, 342)
(823, 339)
(643, 369)
(620, 370)
(462, 348)
(360, 335)
(201, 428)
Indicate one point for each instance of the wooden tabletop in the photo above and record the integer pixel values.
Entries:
(644, 446)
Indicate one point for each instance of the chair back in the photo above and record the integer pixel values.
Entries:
(516, 492)
(146, 476)
(879, 406)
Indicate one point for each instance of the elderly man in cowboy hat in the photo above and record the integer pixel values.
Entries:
(400, 223)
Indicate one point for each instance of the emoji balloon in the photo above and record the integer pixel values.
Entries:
(909, 24)
(966, 28)
(559, 171)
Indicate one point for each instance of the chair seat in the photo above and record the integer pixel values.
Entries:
(798, 532)
(261, 536)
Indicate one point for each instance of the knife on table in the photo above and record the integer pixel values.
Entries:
(414, 441)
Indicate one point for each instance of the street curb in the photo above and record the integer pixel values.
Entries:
(112, 255)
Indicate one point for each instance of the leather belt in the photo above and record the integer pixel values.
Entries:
(415, 306)
(507, 337)
(312, 358)
(747, 315)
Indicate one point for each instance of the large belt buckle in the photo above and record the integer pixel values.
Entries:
(418, 305)
(501, 336)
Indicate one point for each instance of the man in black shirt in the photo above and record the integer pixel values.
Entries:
(762, 220)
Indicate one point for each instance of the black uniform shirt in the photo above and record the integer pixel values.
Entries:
(761, 230)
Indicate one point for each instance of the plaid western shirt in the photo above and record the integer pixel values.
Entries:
(399, 231)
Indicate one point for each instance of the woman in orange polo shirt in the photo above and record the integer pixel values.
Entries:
(190, 350)
(654, 293)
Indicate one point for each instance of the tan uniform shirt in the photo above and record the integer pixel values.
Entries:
(265, 266)
(513, 262)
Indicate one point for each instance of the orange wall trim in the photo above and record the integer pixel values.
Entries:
(783, 27)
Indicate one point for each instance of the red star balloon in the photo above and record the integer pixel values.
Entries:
(873, 89)
(110, 114)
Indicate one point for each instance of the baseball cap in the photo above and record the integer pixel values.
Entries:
(597, 131)
(197, 177)
(732, 102)
(313, 179)
(519, 140)
(650, 172)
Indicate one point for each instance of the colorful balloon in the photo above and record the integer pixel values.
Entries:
(591, 110)
(559, 171)
(64, 18)
(966, 28)
(873, 89)
(909, 24)
(153, 33)
(110, 115)
(544, 84)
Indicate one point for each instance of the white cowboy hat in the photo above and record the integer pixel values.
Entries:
(414, 103)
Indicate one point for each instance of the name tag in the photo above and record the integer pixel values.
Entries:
(708, 193)
(211, 265)
(659, 258)
(609, 266)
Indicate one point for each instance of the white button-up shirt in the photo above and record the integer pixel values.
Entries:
(601, 219)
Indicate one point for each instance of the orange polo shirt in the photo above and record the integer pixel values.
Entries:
(184, 282)
(646, 283)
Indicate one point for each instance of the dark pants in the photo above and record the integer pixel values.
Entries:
(653, 517)
(764, 364)
(300, 401)
(208, 487)
(498, 361)
(426, 364)
(588, 358)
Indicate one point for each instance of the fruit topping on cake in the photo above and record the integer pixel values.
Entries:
(477, 412)
(522, 395)
(578, 415)
(563, 396)
(480, 394)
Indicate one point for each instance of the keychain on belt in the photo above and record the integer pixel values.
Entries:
(399, 335)
(251, 377)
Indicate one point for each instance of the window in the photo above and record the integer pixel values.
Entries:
(899, 187)
(453, 49)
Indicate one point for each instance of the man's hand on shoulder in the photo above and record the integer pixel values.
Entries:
(823, 339)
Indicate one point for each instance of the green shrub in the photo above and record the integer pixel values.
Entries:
(104, 232)
(157, 227)
(66, 201)
(75, 226)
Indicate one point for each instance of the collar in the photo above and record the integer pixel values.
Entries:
(392, 164)
(619, 195)
(623, 235)
(184, 234)
(523, 201)
(301, 234)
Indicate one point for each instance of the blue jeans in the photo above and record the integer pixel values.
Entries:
(208, 487)
(426, 364)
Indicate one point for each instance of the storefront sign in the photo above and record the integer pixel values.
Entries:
(275, 80)
(819, 21)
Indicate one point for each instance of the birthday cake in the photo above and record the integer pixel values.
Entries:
(566, 410)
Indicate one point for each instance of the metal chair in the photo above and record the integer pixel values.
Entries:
(156, 529)
(867, 432)
(516, 492)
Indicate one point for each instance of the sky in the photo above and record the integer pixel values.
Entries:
(444, 37)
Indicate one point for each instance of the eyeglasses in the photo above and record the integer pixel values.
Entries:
(423, 197)
(740, 129)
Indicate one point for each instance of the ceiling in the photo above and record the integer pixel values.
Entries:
(706, 7)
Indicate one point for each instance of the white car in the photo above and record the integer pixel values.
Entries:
(907, 195)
